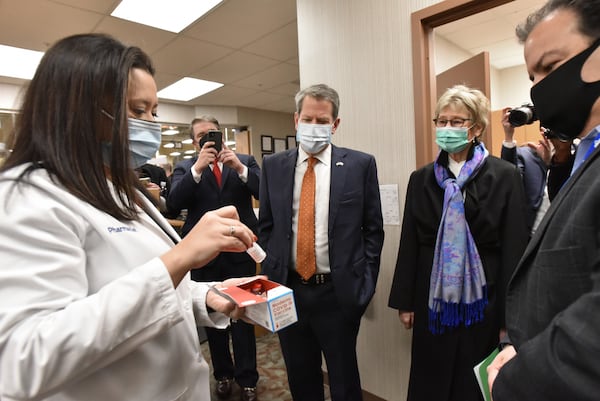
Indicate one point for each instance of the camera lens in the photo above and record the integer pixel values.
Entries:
(522, 115)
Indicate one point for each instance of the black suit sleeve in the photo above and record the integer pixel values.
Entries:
(253, 182)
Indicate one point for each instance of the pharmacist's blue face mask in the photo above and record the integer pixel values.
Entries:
(144, 141)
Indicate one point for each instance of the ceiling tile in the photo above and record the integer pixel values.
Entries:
(237, 23)
(287, 89)
(271, 77)
(276, 45)
(99, 6)
(185, 55)
(225, 96)
(147, 38)
(235, 66)
(35, 24)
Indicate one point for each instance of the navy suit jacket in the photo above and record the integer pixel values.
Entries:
(355, 223)
(533, 172)
(553, 300)
(199, 198)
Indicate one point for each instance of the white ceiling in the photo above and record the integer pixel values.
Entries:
(249, 45)
(493, 31)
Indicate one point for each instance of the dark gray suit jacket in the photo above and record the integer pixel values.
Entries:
(355, 223)
(553, 300)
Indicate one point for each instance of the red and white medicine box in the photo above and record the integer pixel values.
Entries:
(268, 304)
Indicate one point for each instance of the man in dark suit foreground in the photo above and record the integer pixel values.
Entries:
(553, 299)
(339, 270)
(195, 186)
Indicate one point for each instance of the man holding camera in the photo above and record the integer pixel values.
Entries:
(218, 177)
(549, 161)
(553, 298)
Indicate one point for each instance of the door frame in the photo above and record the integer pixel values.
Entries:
(422, 24)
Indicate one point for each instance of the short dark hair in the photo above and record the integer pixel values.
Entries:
(62, 128)
(319, 92)
(205, 118)
(587, 11)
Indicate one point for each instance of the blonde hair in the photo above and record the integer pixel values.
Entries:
(473, 100)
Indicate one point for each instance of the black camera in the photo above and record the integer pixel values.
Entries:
(522, 115)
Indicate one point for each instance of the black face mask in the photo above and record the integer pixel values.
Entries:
(563, 101)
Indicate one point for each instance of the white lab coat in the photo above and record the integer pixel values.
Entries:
(87, 309)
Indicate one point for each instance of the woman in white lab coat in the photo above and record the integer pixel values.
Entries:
(96, 302)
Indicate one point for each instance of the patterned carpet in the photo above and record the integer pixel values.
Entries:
(272, 384)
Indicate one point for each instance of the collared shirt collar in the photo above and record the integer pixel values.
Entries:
(323, 156)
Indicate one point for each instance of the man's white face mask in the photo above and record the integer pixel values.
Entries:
(314, 137)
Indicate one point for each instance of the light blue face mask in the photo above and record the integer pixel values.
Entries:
(144, 141)
(452, 139)
(314, 137)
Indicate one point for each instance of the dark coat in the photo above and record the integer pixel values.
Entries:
(442, 365)
(355, 223)
(199, 198)
(553, 301)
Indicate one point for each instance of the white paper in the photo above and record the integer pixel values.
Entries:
(389, 204)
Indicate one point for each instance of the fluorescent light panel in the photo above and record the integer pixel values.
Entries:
(18, 63)
(187, 89)
(172, 15)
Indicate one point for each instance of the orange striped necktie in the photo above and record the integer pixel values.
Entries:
(306, 264)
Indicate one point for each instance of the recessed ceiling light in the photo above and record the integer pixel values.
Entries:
(187, 157)
(170, 132)
(187, 141)
(169, 145)
(187, 89)
(172, 15)
(175, 154)
(190, 152)
(19, 63)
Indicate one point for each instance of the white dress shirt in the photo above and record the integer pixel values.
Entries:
(322, 187)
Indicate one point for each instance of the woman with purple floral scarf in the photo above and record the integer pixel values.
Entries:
(463, 232)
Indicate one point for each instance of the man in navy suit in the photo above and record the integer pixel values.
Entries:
(553, 297)
(348, 233)
(195, 187)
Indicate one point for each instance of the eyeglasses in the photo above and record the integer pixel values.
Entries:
(455, 122)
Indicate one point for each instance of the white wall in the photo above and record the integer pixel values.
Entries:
(514, 86)
(10, 96)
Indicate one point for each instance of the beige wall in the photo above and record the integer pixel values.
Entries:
(261, 122)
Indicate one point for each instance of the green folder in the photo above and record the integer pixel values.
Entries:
(482, 377)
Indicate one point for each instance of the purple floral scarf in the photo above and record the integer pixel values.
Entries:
(457, 288)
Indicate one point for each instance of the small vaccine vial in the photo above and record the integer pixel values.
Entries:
(256, 253)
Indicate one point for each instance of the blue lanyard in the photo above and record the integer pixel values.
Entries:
(593, 144)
